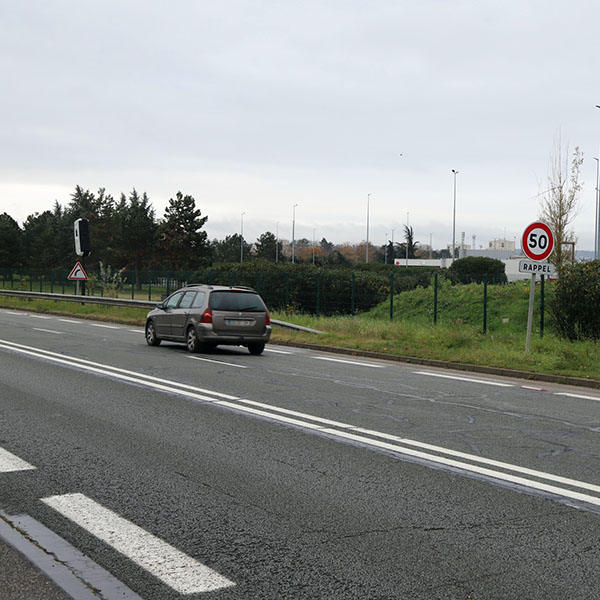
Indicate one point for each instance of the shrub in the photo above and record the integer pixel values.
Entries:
(473, 269)
(576, 301)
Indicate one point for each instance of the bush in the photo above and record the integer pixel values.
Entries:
(473, 269)
(576, 301)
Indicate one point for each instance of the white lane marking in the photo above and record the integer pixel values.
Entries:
(179, 571)
(582, 396)
(136, 330)
(534, 388)
(69, 321)
(48, 330)
(277, 351)
(350, 362)
(470, 379)
(9, 312)
(9, 462)
(105, 326)
(116, 372)
(270, 413)
(219, 362)
(39, 317)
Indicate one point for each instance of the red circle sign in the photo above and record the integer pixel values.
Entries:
(538, 241)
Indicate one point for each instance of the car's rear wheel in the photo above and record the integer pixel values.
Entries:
(256, 349)
(191, 340)
(151, 337)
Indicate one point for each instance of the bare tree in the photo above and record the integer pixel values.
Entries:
(559, 202)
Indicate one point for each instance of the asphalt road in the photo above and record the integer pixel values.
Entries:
(153, 473)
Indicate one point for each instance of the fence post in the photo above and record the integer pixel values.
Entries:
(149, 286)
(392, 296)
(542, 308)
(318, 294)
(287, 290)
(485, 283)
(168, 282)
(52, 282)
(435, 298)
(353, 301)
(133, 285)
(41, 281)
(30, 280)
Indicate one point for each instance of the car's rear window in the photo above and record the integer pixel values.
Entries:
(240, 301)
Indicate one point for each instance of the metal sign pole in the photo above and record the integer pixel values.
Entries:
(530, 313)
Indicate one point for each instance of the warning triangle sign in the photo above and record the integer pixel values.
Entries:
(78, 273)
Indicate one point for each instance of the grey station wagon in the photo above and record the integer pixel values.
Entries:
(203, 316)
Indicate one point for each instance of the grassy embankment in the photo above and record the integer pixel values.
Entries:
(457, 337)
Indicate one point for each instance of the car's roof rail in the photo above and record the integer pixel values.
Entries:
(242, 287)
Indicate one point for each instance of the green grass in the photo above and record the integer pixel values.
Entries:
(457, 337)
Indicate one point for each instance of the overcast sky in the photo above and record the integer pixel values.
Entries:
(254, 106)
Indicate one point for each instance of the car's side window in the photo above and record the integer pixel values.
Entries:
(199, 300)
(186, 301)
(173, 300)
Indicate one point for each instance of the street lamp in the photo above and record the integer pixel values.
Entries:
(367, 250)
(454, 216)
(294, 232)
(242, 239)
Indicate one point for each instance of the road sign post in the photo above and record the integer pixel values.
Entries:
(537, 243)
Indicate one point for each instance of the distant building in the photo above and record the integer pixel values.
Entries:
(502, 244)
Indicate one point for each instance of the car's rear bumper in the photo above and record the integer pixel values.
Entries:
(207, 335)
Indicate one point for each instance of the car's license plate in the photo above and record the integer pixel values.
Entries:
(237, 323)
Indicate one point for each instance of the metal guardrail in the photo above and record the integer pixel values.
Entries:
(120, 302)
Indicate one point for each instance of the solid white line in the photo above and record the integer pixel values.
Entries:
(219, 362)
(270, 412)
(95, 367)
(350, 362)
(9, 462)
(532, 387)
(9, 312)
(39, 317)
(179, 571)
(472, 380)
(136, 330)
(105, 326)
(582, 396)
(277, 351)
(47, 330)
(69, 321)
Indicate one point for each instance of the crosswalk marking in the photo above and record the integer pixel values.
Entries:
(174, 568)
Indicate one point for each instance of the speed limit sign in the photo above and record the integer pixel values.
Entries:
(538, 241)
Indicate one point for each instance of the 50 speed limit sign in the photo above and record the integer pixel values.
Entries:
(538, 241)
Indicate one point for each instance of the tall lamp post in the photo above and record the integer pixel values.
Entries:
(242, 239)
(294, 232)
(367, 250)
(454, 216)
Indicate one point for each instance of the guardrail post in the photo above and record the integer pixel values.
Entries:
(542, 307)
(392, 296)
(485, 285)
(435, 298)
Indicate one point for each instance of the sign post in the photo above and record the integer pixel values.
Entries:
(537, 244)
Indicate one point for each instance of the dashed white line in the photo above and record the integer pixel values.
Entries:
(219, 362)
(179, 571)
(582, 396)
(105, 326)
(9, 312)
(136, 330)
(48, 330)
(9, 462)
(470, 379)
(69, 321)
(350, 362)
(39, 317)
(277, 351)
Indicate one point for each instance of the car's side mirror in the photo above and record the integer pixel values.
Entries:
(160, 305)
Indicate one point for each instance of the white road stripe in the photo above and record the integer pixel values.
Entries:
(318, 423)
(10, 312)
(582, 396)
(534, 388)
(470, 379)
(9, 462)
(219, 362)
(47, 330)
(179, 571)
(105, 326)
(277, 351)
(350, 362)
(69, 321)
(136, 330)
(39, 317)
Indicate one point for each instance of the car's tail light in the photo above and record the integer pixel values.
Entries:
(267, 318)
(206, 317)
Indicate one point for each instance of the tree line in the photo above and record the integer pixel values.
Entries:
(126, 233)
